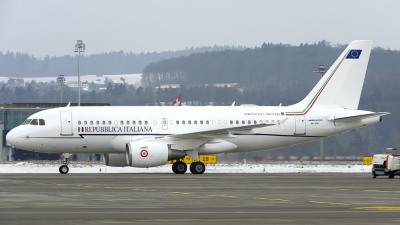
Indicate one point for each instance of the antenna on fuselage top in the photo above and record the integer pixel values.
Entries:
(68, 104)
(233, 104)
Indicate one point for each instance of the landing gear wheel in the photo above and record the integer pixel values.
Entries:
(179, 167)
(63, 169)
(373, 175)
(197, 168)
(391, 175)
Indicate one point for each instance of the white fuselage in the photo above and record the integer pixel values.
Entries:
(108, 129)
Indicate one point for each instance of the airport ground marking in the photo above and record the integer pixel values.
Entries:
(379, 208)
(328, 203)
(182, 193)
(223, 196)
(273, 199)
(381, 191)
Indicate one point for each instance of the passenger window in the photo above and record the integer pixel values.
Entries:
(183, 122)
(133, 122)
(97, 122)
(85, 122)
(237, 121)
(195, 122)
(243, 122)
(140, 122)
(255, 122)
(122, 122)
(127, 122)
(79, 122)
(231, 122)
(177, 122)
(145, 122)
(248, 122)
(91, 122)
(41, 122)
(207, 122)
(267, 122)
(189, 122)
(34, 122)
(104, 122)
(272, 121)
(201, 122)
(261, 121)
(109, 122)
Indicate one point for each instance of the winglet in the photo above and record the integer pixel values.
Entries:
(233, 104)
(281, 122)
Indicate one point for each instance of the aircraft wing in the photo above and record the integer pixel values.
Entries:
(227, 132)
(347, 118)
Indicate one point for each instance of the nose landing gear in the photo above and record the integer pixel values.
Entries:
(64, 168)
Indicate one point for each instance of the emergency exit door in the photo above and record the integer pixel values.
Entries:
(66, 124)
(164, 123)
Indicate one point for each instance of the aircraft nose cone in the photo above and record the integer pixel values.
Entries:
(12, 137)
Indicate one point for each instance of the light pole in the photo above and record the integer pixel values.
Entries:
(61, 80)
(322, 70)
(79, 47)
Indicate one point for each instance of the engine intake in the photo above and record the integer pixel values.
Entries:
(117, 160)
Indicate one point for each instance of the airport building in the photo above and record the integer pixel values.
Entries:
(12, 115)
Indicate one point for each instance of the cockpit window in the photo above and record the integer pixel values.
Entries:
(41, 122)
(26, 122)
(34, 122)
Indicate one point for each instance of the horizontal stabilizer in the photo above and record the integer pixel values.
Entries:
(359, 116)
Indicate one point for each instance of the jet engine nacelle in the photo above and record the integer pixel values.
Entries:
(148, 154)
(117, 160)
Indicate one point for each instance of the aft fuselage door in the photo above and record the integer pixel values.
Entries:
(66, 124)
(300, 124)
(164, 123)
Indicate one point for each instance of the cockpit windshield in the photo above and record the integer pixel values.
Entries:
(35, 122)
(26, 122)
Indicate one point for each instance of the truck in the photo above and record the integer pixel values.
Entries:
(386, 164)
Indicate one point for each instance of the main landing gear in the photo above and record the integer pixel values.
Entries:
(180, 167)
(64, 168)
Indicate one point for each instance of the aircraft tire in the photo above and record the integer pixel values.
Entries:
(63, 169)
(391, 175)
(179, 167)
(197, 168)
(373, 175)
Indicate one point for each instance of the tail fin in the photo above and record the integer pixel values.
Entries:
(343, 82)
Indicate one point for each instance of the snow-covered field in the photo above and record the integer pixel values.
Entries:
(28, 167)
(129, 78)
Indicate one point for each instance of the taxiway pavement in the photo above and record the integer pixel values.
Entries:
(199, 199)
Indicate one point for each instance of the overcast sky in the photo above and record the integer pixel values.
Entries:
(53, 27)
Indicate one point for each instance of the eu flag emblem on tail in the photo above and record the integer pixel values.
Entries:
(354, 54)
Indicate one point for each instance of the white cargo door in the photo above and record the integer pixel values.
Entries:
(66, 124)
(300, 124)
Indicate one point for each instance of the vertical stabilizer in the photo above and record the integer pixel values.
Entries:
(343, 82)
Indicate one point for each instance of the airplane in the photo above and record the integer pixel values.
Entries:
(148, 136)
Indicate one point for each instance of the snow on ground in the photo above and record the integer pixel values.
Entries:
(29, 167)
(129, 78)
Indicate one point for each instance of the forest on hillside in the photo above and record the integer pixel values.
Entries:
(24, 65)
